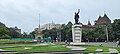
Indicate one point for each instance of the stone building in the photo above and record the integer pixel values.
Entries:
(88, 26)
(50, 26)
(39, 34)
(103, 20)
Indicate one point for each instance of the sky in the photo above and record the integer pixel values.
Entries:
(25, 13)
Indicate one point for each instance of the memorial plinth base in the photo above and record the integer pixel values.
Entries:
(78, 43)
(77, 33)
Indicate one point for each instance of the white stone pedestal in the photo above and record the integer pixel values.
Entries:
(77, 34)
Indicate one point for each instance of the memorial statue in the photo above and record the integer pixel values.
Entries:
(77, 17)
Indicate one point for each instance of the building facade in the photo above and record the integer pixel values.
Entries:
(38, 34)
(50, 26)
(103, 20)
(88, 26)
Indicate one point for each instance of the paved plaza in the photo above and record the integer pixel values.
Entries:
(109, 44)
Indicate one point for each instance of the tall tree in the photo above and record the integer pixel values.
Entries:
(4, 31)
(116, 28)
(66, 31)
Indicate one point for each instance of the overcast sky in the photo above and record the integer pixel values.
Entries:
(24, 13)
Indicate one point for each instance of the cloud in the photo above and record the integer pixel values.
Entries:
(24, 13)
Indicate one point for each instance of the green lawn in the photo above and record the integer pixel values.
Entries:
(17, 44)
(51, 47)
(4, 40)
(33, 48)
(36, 49)
(8, 40)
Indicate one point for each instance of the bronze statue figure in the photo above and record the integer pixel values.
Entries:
(77, 17)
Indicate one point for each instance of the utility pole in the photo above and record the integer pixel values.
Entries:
(107, 33)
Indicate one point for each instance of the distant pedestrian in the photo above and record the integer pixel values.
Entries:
(56, 41)
(117, 43)
(105, 41)
(69, 41)
(66, 43)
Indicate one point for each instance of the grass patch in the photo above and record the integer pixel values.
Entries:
(33, 48)
(36, 49)
(118, 49)
(16, 45)
(51, 44)
(93, 48)
(4, 40)
(8, 40)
